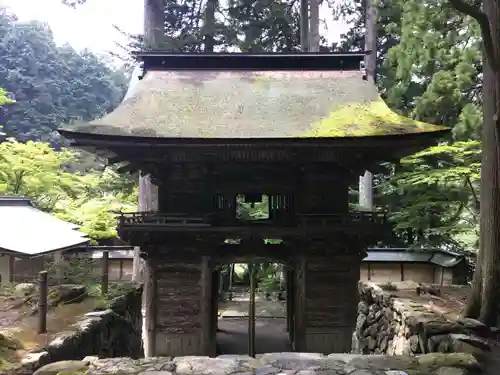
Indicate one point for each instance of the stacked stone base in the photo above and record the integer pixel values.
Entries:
(387, 325)
(274, 364)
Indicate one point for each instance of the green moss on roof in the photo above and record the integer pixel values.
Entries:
(372, 119)
(213, 104)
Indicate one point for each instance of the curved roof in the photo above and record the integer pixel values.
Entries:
(253, 104)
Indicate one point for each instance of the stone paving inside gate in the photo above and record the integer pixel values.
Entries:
(273, 364)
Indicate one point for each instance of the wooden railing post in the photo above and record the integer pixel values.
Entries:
(42, 302)
(105, 273)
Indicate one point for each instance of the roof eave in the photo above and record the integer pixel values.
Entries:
(103, 139)
(19, 254)
(161, 60)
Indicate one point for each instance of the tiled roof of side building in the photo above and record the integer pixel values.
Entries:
(438, 257)
(26, 231)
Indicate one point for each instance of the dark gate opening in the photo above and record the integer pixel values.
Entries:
(252, 316)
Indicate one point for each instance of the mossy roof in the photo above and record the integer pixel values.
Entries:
(251, 104)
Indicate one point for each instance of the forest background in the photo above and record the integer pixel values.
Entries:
(429, 68)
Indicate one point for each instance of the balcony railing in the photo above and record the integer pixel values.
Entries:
(155, 219)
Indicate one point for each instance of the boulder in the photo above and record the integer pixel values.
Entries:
(25, 289)
(9, 343)
(461, 343)
(66, 294)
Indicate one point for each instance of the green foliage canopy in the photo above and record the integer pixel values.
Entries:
(48, 177)
(51, 84)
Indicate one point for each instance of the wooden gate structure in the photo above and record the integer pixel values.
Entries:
(299, 128)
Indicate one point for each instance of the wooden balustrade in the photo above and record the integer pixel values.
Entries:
(148, 219)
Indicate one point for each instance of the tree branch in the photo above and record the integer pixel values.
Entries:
(481, 18)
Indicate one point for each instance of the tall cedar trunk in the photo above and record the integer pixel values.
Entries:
(366, 181)
(209, 25)
(490, 172)
(154, 28)
(487, 274)
(304, 25)
(154, 34)
(314, 25)
(473, 307)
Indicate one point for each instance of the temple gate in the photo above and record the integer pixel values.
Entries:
(208, 128)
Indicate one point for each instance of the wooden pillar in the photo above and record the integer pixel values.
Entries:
(300, 319)
(105, 272)
(150, 310)
(42, 302)
(58, 259)
(12, 268)
(215, 308)
(206, 283)
(120, 277)
(251, 311)
(290, 292)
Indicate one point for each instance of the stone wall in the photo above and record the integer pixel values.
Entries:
(388, 325)
(115, 332)
(274, 364)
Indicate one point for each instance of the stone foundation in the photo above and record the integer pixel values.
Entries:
(275, 364)
(115, 332)
(387, 325)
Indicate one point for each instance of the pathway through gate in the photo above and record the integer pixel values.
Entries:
(270, 326)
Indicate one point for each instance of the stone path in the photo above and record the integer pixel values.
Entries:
(270, 326)
(270, 336)
(273, 364)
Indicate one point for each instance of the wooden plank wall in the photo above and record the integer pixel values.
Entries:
(179, 306)
(331, 299)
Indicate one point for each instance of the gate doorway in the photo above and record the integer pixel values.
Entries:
(252, 309)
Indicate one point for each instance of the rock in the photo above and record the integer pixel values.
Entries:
(9, 343)
(461, 343)
(63, 368)
(25, 289)
(428, 289)
(383, 362)
(434, 361)
(475, 326)
(66, 294)
(451, 371)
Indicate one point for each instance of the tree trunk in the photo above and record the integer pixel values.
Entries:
(209, 25)
(487, 273)
(154, 28)
(314, 37)
(304, 25)
(154, 35)
(490, 172)
(366, 181)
